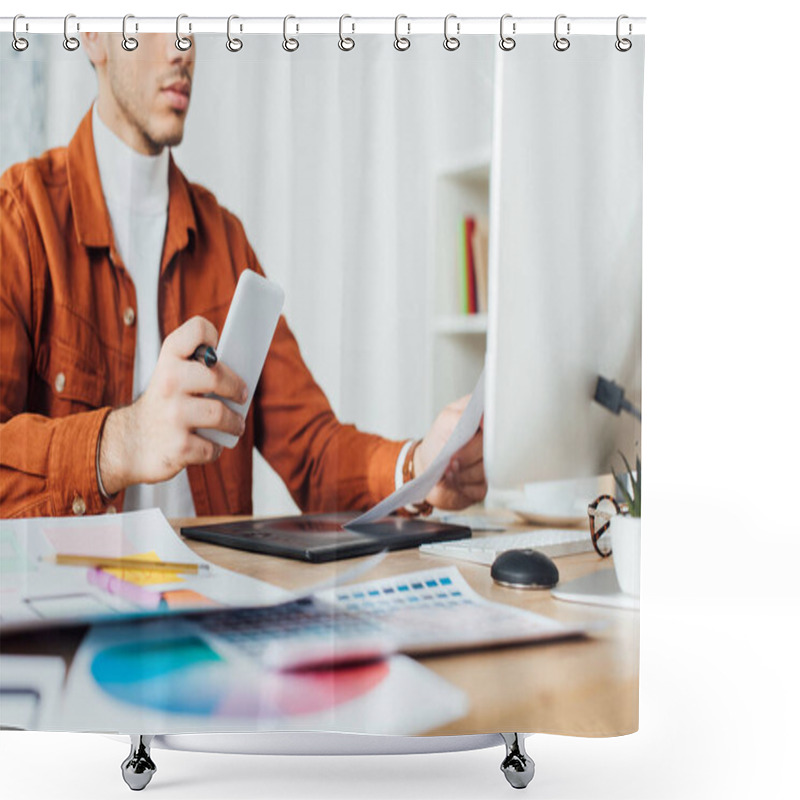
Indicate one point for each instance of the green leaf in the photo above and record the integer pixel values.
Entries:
(623, 488)
(634, 498)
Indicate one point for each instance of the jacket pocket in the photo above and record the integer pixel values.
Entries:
(68, 381)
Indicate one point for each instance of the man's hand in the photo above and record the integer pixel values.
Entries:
(154, 438)
(464, 481)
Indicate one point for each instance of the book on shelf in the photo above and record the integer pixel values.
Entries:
(475, 265)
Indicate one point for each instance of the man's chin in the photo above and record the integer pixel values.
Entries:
(168, 138)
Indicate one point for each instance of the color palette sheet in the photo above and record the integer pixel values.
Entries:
(160, 676)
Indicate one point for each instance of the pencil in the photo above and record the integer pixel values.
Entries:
(126, 563)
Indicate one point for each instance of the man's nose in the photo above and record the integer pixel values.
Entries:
(174, 54)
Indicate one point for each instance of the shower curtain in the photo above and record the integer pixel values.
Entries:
(406, 200)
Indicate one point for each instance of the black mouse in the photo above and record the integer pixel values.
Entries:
(525, 569)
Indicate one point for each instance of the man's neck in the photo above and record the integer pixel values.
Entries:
(115, 120)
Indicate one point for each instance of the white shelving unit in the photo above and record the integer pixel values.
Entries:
(458, 339)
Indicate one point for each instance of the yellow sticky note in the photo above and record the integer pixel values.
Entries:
(145, 577)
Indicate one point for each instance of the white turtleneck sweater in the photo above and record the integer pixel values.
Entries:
(136, 191)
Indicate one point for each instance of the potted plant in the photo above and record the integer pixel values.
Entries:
(626, 529)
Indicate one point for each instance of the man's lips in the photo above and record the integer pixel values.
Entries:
(177, 95)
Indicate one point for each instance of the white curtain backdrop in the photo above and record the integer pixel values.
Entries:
(329, 159)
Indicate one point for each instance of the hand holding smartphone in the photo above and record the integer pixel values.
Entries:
(244, 343)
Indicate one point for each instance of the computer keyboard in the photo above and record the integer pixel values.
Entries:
(554, 542)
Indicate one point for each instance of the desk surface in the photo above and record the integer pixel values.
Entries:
(585, 687)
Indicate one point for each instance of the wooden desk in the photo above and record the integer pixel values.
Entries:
(586, 687)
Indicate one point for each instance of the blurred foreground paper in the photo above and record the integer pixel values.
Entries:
(161, 677)
(30, 691)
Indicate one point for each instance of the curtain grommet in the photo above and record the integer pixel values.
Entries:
(451, 43)
(18, 42)
(401, 43)
(233, 44)
(507, 43)
(70, 43)
(129, 43)
(623, 44)
(182, 43)
(289, 44)
(561, 43)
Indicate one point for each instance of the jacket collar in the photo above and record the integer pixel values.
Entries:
(92, 220)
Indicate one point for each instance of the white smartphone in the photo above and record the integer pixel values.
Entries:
(245, 340)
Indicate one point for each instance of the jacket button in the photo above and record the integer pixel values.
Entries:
(78, 506)
(129, 316)
(60, 382)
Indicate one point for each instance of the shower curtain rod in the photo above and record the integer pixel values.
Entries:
(407, 26)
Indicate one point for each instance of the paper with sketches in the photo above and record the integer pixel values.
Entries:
(39, 593)
(160, 677)
(417, 490)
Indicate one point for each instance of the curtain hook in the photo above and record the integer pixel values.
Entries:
(18, 43)
(70, 43)
(233, 44)
(401, 42)
(129, 43)
(561, 43)
(623, 45)
(507, 42)
(451, 42)
(183, 43)
(289, 45)
(346, 43)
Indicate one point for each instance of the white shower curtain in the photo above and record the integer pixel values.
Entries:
(343, 168)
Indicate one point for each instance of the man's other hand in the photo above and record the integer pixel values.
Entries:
(154, 438)
(464, 481)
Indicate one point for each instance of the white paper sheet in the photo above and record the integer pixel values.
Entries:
(30, 691)
(417, 490)
(39, 593)
(158, 677)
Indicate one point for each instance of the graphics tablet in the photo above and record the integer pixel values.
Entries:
(323, 537)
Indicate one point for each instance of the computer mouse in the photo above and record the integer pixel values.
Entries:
(525, 569)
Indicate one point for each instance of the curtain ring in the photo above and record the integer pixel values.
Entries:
(507, 42)
(623, 45)
(129, 43)
(561, 43)
(451, 42)
(234, 45)
(289, 45)
(183, 43)
(70, 43)
(346, 43)
(18, 43)
(401, 43)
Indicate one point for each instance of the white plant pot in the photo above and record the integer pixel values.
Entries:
(626, 546)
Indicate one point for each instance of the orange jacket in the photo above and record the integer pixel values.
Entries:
(67, 340)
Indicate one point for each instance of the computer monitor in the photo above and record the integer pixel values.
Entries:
(565, 285)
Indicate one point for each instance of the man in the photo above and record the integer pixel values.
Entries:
(113, 270)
